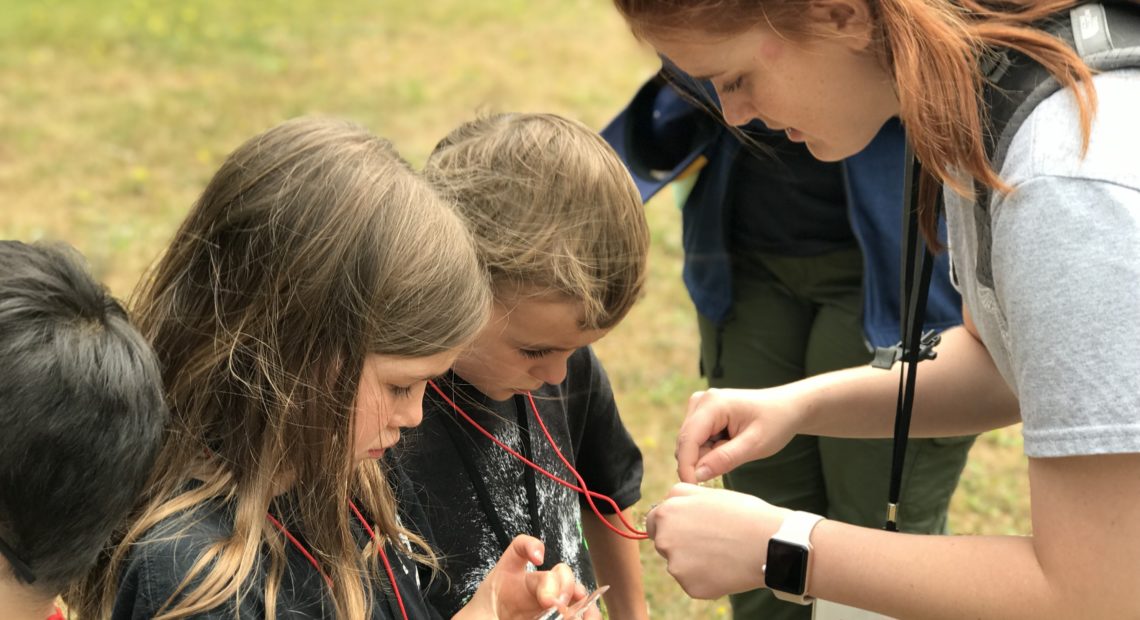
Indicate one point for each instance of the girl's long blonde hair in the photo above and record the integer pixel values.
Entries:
(313, 246)
(935, 51)
(552, 210)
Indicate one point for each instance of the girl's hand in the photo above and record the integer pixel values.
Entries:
(512, 592)
(714, 541)
(724, 429)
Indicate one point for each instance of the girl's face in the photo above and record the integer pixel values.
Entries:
(525, 345)
(827, 91)
(390, 397)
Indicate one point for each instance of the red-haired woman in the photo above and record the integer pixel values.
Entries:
(1048, 263)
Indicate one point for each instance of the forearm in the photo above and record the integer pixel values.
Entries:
(958, 393)
(914, 576)
(617, 563)
(1082, 562)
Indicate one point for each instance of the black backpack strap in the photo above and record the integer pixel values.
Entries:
(1107, 37)
(1105, 34)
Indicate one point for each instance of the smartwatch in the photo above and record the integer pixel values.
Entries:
(789, 557)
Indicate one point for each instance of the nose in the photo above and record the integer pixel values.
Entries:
(552, 369)
(737, 108)
(409, 413)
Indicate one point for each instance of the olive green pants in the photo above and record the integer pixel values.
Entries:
(792, 318)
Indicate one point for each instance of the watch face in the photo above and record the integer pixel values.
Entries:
(786, 570)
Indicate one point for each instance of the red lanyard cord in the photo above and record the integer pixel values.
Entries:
(633, 532)
(300, 547)
(371, 533)
(383, 557)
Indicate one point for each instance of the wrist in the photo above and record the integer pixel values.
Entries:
(763, 520)
(803, 400)
(789, 558)
(470, 611)
(478, 607)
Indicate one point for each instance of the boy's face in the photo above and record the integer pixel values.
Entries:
(524, 345)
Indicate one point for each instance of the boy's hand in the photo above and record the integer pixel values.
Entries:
(512, 591)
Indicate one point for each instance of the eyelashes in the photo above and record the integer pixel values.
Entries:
(404, 391)
(732, 86)
(534, 354)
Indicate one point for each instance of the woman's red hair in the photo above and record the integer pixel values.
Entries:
(934, 50)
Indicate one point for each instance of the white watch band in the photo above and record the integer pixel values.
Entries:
(796, 529)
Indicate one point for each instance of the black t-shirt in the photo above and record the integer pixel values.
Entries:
(473, 514)
(786, 202)
(157, 565)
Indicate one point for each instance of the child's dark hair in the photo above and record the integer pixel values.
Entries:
(82, 410)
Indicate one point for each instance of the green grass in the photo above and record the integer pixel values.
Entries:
(113, 114)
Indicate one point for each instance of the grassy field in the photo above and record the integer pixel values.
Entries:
(113, 114)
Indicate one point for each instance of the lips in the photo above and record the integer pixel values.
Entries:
(384, 446)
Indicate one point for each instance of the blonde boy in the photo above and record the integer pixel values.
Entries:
(559, 227)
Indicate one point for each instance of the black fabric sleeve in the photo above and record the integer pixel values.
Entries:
(155, 570)
(605, 453)
(133, 600)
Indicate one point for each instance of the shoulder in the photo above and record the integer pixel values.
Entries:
(1049, 142)
(179, 539)
(583, 358)
(1066, 205)
(587, 384)
(584, 363)
(161, 559)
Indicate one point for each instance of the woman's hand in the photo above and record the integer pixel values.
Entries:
(724, 429)
(714, 541)
(512, 591)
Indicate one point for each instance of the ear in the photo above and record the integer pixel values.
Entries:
(850, 21)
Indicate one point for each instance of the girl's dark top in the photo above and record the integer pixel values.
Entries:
(478, 497)
(158, 563)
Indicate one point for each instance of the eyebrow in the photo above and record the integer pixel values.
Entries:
(709, 77)
(429, 377)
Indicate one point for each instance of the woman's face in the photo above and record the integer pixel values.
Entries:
(391, 397)
(827, 91)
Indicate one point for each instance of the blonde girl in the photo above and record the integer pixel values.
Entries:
(298, 313)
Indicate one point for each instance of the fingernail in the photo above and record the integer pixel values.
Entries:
(702, 473)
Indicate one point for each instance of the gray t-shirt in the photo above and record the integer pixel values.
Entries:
(1062, 320)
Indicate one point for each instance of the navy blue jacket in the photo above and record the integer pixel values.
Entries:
(661, 134)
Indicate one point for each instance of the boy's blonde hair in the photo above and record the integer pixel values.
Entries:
(552, 208)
